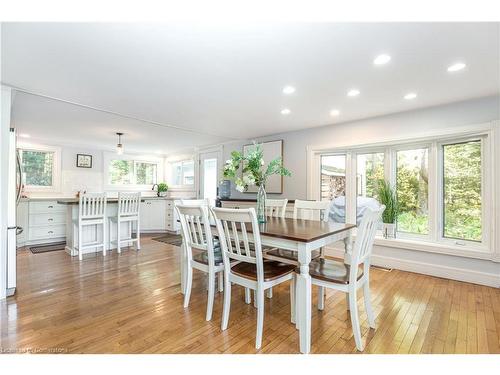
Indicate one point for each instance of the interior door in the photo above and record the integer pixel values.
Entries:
(209, 175)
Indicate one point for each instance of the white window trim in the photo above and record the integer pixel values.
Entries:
(490, 247)
(56, 168)
(108, 156)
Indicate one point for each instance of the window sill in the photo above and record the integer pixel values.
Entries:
(432, 247)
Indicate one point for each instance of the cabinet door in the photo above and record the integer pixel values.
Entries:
(144, 215)
(158, 210)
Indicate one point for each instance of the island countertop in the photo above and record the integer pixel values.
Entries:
(77, 201)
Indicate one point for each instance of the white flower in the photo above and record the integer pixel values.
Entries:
(248, 179)
(240, 188)
(261, 161)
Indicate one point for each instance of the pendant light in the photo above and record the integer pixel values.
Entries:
(119, 146)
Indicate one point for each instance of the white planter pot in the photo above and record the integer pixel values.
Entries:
(389, 230)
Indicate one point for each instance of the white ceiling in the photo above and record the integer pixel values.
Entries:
(226, 82)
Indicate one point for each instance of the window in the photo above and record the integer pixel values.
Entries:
(183, 172)
(333, 184)
(370, 171)
(38, 167)
(131, 172)
(444, 186)
(462, 191)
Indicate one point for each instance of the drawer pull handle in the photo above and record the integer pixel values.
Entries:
(50, 219)
(50, 232)
(50, 207)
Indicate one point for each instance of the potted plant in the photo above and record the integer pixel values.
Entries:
(253, 173)
(387, 196)
(162, 189)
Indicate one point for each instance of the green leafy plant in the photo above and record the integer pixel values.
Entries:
(162, 187)
(387, 196)
(252, 167)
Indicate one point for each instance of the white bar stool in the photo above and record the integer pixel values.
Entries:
(91, 211)
(128, 212)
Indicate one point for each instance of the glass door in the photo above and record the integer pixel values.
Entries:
(209, 175)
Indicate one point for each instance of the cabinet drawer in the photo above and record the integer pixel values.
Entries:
(48, 219)
(170, 204)
(47, 232)
(46, 207)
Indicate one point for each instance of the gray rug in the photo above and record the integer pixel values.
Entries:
(38, 249)
(172, 239)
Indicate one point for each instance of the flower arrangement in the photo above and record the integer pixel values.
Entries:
(252, 166)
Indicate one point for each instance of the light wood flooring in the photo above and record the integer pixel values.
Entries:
(131, 303)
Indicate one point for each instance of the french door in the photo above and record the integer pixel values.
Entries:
(209, 175)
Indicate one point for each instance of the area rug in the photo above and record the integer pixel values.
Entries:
(38, 249)
(172, 239)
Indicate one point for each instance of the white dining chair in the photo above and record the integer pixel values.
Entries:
(128, 212)
(305, 210)
(91, 211)
(348, 278)
(197, 236)
(276, 207)
(250, 271)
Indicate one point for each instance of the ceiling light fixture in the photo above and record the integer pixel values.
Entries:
(382, 59)
(285, 111)
(456, 67)
(353, 93)
(334, 112)
(119, 145)
(287, 90)
(410, 96)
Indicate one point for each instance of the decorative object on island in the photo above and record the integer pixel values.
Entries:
(83, 161)
(253, 173)
(387, 197)
(225, 189)
(161, 189)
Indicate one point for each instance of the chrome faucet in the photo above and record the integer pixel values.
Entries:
(153, 188)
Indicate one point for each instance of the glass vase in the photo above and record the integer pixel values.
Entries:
(261, 204)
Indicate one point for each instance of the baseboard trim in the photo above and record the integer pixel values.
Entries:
(453, 273)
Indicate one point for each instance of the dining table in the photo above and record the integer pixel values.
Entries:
(303, 237)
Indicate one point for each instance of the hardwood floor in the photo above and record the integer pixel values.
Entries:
(131, 303)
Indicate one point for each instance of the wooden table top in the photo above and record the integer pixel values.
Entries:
(300, 230)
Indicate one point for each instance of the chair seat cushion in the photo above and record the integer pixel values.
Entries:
(290, 255)
(331, 270)
(272, 270)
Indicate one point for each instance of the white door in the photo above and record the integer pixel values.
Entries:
(209, 175)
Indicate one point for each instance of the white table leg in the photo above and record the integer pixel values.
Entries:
(304, 300)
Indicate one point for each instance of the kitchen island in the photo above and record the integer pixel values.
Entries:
(92, 233)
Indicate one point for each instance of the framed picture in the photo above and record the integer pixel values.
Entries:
(271, 150)
(83, 161)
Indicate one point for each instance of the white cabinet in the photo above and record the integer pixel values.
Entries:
(172, 219)
(153, 215)
(46, 222)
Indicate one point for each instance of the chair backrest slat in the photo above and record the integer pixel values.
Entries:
(276, 207)
(92, 206)
(128, 203)
(237, 220)
(365, 237)
(196, 231)
(311, 210)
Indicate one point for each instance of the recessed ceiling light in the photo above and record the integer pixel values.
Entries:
(24, 135)
(288, 90)
(382, 59)
(410, 96)
(353, 92)
(285, 111)
(456, 67)
(334, 112)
